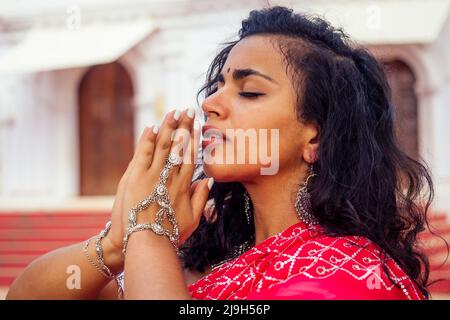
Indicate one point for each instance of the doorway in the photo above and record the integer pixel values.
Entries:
(106, 128)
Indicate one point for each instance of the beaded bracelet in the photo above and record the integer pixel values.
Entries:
(159, 195)
(86, 253)
(101, 266)
(99, 250)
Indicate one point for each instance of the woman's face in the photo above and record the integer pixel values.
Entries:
(254, 93)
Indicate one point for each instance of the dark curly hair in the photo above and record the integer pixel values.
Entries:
(366, 185)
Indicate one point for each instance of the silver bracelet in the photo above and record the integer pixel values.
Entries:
(101, 266)
(120, 293)
(99, 250)
(159, 195)
(86, 253)
(156, 229)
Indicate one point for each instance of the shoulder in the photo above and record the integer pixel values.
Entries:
(342, 250)
(326, 267)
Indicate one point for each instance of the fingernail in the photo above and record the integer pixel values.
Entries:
(177, 114)
(191, 113)
(155, 129)
(210, 183)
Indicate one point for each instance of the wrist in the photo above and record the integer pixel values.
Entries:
(113, 256)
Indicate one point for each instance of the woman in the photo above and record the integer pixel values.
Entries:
(337, 220)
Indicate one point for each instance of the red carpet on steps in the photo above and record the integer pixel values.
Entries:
(25, 236)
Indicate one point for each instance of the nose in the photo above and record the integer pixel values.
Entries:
(214, 106)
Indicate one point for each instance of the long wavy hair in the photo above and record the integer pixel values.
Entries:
(365, 184)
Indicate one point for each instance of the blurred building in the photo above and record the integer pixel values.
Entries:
(79, 82)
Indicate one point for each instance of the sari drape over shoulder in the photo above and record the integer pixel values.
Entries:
(303, 263)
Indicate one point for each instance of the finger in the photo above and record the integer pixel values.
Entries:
(122, 183)
(164, 140)
(182, 136)
(117, 209)
(208, 210)
(140, 141)
(145, 149)
(189, 158)
(199, 197)
(193, 186)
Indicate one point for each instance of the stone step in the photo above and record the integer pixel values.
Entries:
(29, 220)
(46, 233)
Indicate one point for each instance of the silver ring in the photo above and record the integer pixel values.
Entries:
(174, 160)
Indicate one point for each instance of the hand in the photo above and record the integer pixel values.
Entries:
(188, 201)
(113, 242)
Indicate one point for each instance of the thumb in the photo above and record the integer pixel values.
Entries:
(200, 196)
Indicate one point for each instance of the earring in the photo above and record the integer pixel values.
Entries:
(247, 207)
(303, 202)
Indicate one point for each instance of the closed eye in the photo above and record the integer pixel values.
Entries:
(251, 94)
(221, 80)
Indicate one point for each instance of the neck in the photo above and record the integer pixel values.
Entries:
(273, 199)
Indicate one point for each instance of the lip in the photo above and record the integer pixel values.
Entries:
(214, 131)
(207, 143)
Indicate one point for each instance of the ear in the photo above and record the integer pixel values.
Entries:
(311, 147)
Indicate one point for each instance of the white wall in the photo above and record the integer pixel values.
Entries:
(435, 100)
(39, 157)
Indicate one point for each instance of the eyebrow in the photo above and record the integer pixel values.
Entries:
(239, 74)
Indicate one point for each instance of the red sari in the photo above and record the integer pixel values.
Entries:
(304, 263)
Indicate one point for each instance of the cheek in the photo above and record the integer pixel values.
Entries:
(290, 153)
(290, 145)
(242, 159)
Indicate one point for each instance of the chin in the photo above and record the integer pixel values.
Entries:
(231, 172)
